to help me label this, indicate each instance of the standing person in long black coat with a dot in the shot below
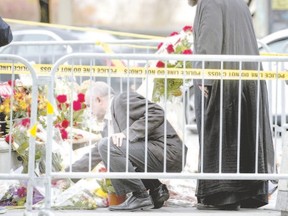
(225, 27)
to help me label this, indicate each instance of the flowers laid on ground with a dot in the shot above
(176, 43)
(106, 184)
(16, 193)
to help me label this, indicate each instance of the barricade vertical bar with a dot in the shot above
(127, 119)
(221, 119)
(31, 166)
(50, 134)
(202, 117)
(257, 121)
(239, 117)
(146, 123)
(165, 120)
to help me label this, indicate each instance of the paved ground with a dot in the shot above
(155, 212)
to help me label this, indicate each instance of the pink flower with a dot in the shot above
(65, 123)
(187, 52)
(187, 28)
(174, 33)
(21, 192)
(8, 138)
(25, 122)
(170, 48)
(77, 105)
(61, 98)
(64, 134)
(81, 97)
(103, 169)
(160, 64)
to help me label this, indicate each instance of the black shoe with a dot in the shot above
(231, 207)
(159, 196)
(133, 203)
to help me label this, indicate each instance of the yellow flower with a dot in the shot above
(23, 105)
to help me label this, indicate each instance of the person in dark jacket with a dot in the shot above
(136, 124)
(224, 27)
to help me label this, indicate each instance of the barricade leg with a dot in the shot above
(282, 198)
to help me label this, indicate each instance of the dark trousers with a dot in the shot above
(135, 163)
(118, 155)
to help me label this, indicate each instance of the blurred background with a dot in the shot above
(153, 17)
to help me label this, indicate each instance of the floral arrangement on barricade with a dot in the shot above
(177, 43)
(20, 111)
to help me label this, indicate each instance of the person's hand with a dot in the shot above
(117, 139)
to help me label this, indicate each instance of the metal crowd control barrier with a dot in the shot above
(58, 82)
(275, 72)
(9, 163)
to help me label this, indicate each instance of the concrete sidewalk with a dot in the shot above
(155, 212)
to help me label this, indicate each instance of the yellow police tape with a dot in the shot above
(112, 71)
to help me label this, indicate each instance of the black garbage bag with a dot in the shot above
(5, 33)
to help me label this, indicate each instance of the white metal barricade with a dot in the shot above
(59, 85)
(64, 83)
(11, 98)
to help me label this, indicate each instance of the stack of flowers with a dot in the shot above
(177, 43)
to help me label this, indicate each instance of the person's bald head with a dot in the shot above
(97, 98)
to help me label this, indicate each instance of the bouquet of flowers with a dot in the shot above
(177, 43)
(68, 112)
(19, 140)
(16, 193)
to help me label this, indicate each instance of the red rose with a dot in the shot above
(77, 105)
(25, 122)
(81, 97)
(174, 33)
(64, 134)
(65, 123)
(187, 52)
(170, 48)
(61, 98)
(160, 64)
(187, 28)
(8, 138)
(10, 83)
(160, 45)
